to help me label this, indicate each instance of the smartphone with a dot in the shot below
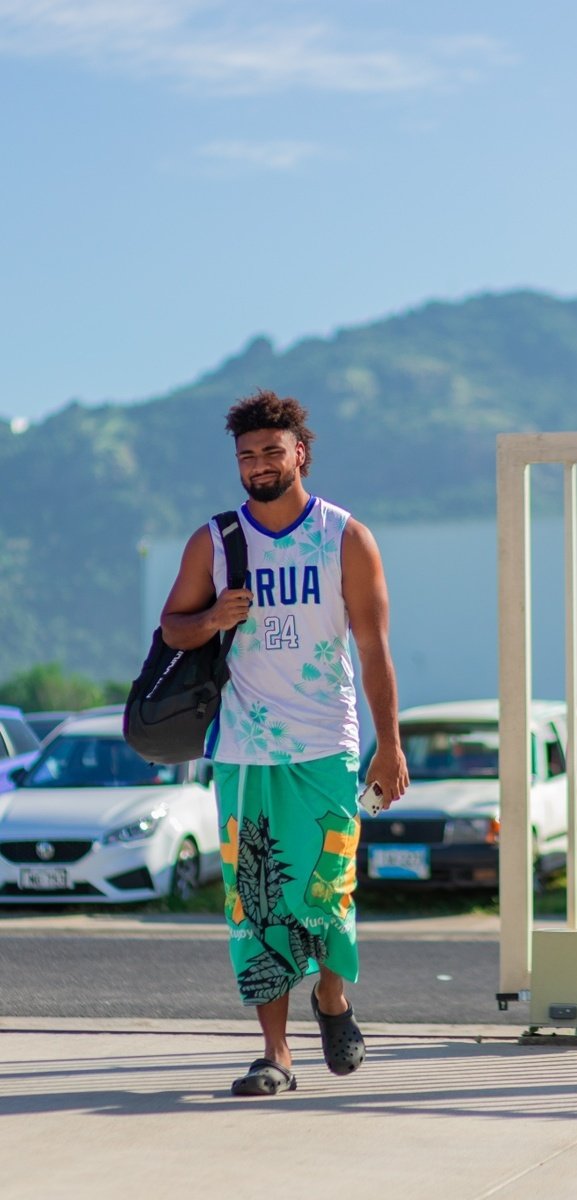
(372, 799)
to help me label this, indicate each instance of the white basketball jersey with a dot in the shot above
(291, 694)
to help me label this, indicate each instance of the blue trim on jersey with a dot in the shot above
(212, 737)
(282, 532)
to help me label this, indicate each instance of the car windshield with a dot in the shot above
(21, 735)
(450, 751)
(87, 761)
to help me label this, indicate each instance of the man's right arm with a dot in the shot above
(192, 615)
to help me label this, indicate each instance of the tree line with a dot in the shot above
(48, 688)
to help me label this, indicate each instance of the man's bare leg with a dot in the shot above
(330, 993)
(273, 1021)
(343, 1045)
(273, 1017)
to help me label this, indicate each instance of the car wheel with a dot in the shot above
(186, 870)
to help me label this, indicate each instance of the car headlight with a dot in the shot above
(471, 829)
(144, 827)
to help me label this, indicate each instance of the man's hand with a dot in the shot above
(231, 608)
(388, 768)
(191, 616)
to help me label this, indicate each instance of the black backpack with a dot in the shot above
(177, 694)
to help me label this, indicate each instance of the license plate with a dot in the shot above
(399, 862)
(44, 879)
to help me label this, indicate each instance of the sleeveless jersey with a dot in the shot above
(290, 696)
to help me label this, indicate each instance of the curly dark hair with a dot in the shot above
(266, 410)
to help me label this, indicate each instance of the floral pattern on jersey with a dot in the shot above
(322, 679)
(282, 551)
(258, 731)
(246, 640)
(316, 552)
(338, 517)
(325, 651)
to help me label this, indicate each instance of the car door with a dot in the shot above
(200, 777)
(554, 782)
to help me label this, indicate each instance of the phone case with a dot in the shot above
(372, 799)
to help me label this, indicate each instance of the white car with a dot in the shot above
(90, 821)
(444, 832)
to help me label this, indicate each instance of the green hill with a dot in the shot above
(406, 411)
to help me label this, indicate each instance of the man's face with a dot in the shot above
(269, 462)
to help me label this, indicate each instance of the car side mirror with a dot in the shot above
(18, 775)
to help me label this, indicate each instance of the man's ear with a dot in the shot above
(301, 453)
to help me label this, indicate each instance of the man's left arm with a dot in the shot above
(366, 598)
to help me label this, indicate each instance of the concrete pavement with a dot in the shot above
(116, 1109)
(122, 1109)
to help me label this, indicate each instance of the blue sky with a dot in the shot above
(179, 176)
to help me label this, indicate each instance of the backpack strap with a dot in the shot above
(234, 543)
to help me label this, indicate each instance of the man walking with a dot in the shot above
(285, 745)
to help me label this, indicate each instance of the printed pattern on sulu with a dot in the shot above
(289, 836)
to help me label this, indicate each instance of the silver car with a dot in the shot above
(19, 744)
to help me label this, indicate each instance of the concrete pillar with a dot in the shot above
(515, 454)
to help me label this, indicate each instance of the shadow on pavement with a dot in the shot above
(428, 1076)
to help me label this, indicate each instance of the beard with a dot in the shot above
(265, 492)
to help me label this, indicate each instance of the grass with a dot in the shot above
(372, 903)
(552, 901)
(548, 901)
(209, 900)
(389, 903)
